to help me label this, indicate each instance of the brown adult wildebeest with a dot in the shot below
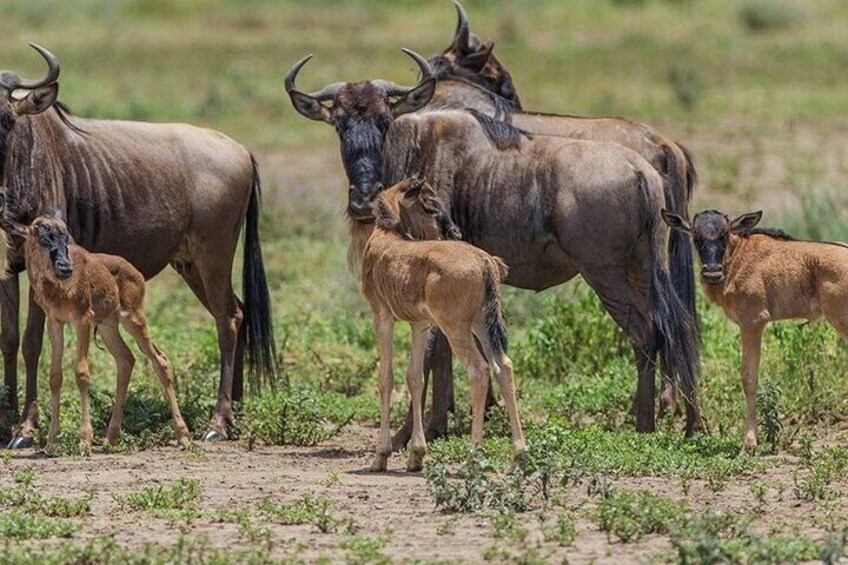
(408, 275)
(760, 275)
(470, 76)
(91, 290)
(551, 208)
(155, 194)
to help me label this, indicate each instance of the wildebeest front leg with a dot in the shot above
(751, 342)
(9, 343)
(33, 341)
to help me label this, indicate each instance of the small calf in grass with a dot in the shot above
(760, 275)
(90, 290)
(408, 276)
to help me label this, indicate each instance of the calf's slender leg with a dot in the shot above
(83, 374)
(466, 350)
(57, 348)
(384, 327)
(415, 383)
(124, 360)
(752, 337)
(136, 325)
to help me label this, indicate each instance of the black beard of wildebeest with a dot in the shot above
(470, 76)
(155, 194)
(551, 208)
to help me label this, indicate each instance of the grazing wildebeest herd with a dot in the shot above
(454, 188)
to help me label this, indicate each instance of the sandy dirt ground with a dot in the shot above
(395, 505)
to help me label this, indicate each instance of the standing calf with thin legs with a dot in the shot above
(90, 290)
(446, 284)
(760, 275)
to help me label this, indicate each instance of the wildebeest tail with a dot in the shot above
(492, 314)
(259, 342)
(680, 258)
(675, 329)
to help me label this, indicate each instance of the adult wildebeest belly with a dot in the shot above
(552, 210)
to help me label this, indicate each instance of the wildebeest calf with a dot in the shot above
(447, 284)
(760, 275)
(90, 290)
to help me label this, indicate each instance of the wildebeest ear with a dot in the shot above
(310, 107)
(38, 100)
(415, 99)
(675, 221)
(385, 218)
(746, 222)
(475, 62)
(449, 229)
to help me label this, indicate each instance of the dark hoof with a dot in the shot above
(212, 435)
(20, 443)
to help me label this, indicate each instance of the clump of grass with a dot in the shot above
(768, 15)
(25, 498)
(23, 525)
(768, 407)
(291, 416)
(629, 516)
(686, 83)
(307, 509)
(158, 500)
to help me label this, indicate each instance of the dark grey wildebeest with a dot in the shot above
(551, 208)
(155, 194)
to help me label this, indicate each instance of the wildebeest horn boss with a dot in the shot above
(155, 194)
(550, 207)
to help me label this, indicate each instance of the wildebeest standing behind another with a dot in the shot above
(155, 194)
(550, 208)
(471, 76)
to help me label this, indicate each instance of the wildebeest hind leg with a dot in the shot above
(214, 289)
(624, 303)
(9, 344)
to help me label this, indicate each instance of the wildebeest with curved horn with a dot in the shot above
(155, 194)
(551, 208)
(469, 75)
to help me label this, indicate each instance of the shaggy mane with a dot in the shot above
(503, 135)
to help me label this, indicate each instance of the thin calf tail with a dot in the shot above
(492, 314)
(675, 329)
(259, 338)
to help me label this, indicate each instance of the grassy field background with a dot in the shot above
(756, 88)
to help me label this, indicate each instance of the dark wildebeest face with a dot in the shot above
(362, 113)
(413, 209)
(470, 58)
(20, 96)
(710, 231)
(52, 234)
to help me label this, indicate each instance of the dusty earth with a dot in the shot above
(395, 506)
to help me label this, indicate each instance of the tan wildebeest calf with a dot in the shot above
(446, 284)
(90, 290)
(760, 275)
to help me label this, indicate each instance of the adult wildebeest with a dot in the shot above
(549, 207)
(469, 75)
(155, 194)
(759, 275)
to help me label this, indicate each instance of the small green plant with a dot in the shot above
(365, 550)
(759, 489)
(768, 407)
(306, 509)
(22, 525)
(182, 493)
(630, 516)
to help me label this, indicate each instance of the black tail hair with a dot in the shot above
(675, 330)
(680, 257)
(259, 338)
(492, 314)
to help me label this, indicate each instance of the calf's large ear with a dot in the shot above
(38, 100)
(675, 221)
(746, 222)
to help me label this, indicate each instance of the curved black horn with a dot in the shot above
(292, 74)
(393, 89)
(462, 34)
(52, 70)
